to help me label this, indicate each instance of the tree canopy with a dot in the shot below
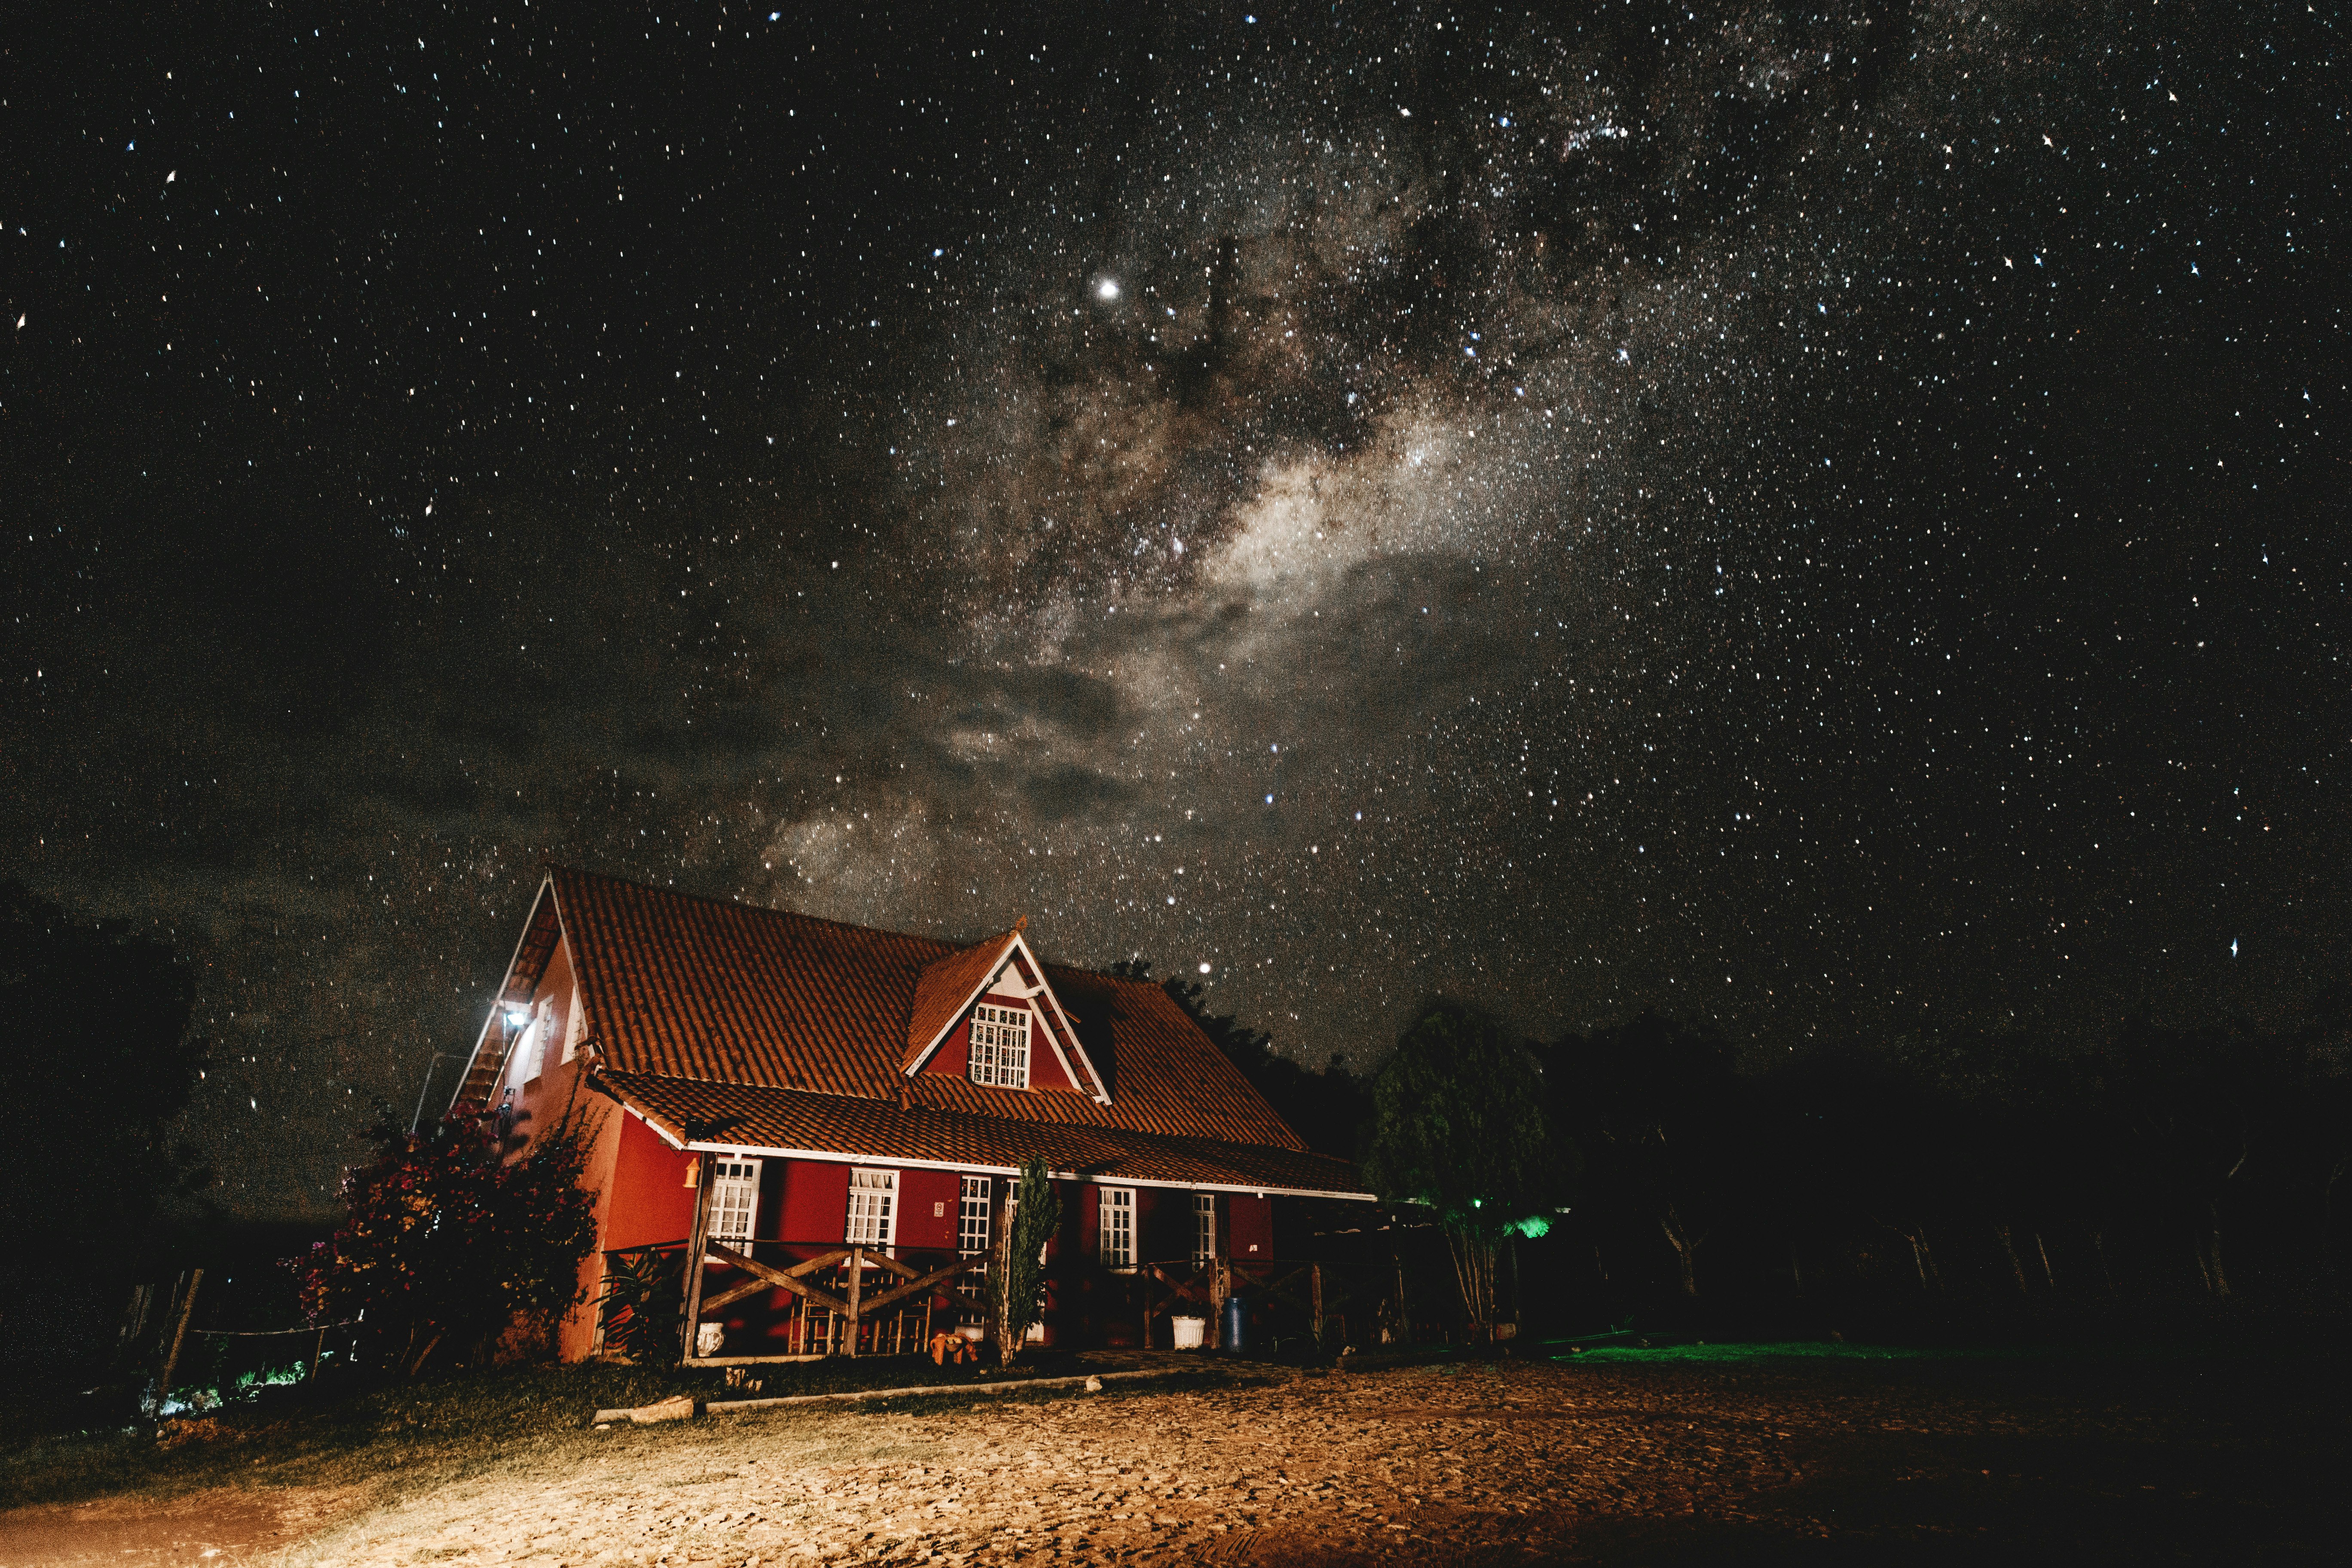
(1459, 1125)
(95, 1022)
(447, 1244)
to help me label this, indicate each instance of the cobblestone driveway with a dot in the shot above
(1514, 1463)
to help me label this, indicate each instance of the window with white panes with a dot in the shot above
(734, 1198)
(1115, 1242)
(873, 1220)
(1204, 1229)
(972, 1215)
(1000, 1045)
(973, 1241)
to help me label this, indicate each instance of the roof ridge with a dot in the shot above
(737, 903)
(953, 944)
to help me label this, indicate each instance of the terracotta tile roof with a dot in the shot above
(942, 989)
(678, 987)
(785, 1121)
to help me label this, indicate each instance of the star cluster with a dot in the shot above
(1819, 520)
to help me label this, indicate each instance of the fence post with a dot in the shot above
(856, 1290)
(1315, 1298)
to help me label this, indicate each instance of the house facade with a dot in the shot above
(830, 1119)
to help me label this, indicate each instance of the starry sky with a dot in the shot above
(1826, 521)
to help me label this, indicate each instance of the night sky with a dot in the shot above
(1826, 521)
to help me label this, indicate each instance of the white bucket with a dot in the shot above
(1188, 1331)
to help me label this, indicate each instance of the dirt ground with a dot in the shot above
(1851, 1462)
(202, 1528)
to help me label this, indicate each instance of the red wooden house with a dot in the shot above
(772, 1090)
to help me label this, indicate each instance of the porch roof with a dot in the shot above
(754, 1119)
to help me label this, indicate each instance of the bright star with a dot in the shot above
(1107, 290)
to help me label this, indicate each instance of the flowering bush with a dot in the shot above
(448, 1244)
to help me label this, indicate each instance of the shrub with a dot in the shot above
(448, 1245)
(643, 1308)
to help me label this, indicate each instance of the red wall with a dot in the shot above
(1163, 1226)
(817, 1201)
(1249, 1227)
(954, 1056)
(649, 1201)
(922, 1192)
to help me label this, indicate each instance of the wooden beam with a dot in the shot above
(929, 1282)
(787, 1278)
(733, 1294)
(1280, 1289)
(698, 1247)
(883, 1260)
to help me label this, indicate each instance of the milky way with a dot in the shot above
(1825, 521)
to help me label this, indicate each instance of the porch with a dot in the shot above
(765, 1301)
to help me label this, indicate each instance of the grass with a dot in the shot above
(404, 1437)
(1780, 1350)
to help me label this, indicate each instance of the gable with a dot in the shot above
(953, 1056)
(999, 972)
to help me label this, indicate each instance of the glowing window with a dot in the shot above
(1000, 1045)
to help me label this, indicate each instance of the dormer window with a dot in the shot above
(1000, 1045)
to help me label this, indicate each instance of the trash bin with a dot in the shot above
(1188, 1331)
(1236, 1326)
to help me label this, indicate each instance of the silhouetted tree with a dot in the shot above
(447, 1243)
(1458, 1126)
(94, 1024)
(1655, 1109)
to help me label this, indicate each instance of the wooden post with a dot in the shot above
(171, 1358)
(316, 1351)
(1315, 1298)
(999, 1252)
(1403, 1315)
(697, 1247)
(856, 1290)
(1221, 1285)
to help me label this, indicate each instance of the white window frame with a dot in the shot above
(973, 1210)
(862, 1226)
(573, 1027)
(733, 1178)
(1204, 1229)
(1115, 1229)
(1000, 1045)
